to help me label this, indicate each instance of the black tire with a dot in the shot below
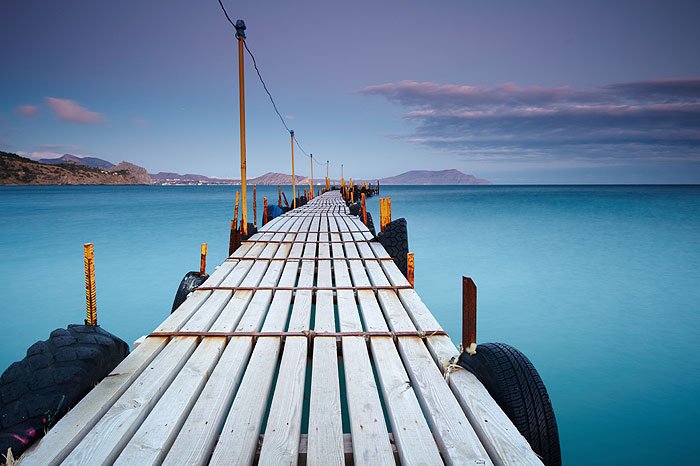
(56, 373)
(394, 238)
(514, 383)
(188, 284)
(370, 224)
(355, 208)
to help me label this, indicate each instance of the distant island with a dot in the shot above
(73, 170)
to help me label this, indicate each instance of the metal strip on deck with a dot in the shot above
(307, 345)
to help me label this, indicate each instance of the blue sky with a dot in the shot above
(516, 92)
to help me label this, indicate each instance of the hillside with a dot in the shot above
(16, 170)
(273, 178)
(433, 177)
(92, 162)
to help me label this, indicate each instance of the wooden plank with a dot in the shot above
(325, 437)
(155, 436)
(414, 440)
(198, 436)
(497, 433)
(64, 437)
(452, 430)
(239, 436)
(370, 440)
(284, 421)
(108, 437)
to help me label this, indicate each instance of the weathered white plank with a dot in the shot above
(369, 431)
(198, 436)
(111, 433)
(66, 435)
(325, 419)
(414, 439)
(281, 442)
(454, 434)
(238, 440)
(155, 436)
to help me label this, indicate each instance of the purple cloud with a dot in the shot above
(69, 110)
(28, 110)
(659, 118)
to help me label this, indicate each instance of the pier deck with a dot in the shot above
(307, 345)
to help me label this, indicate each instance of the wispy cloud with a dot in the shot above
(28, 110)
(657, 119)
(69, 110)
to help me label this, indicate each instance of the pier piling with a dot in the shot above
(90, 294)
(468, 315)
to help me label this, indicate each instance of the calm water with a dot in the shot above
(599, 286)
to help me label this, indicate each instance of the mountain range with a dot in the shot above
(72, 169)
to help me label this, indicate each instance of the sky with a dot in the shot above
(515, 92)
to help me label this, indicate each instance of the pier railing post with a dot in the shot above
(311, 181)
(468, 315)
(279, 196)
(265, 218)
(384, 212)
(203, 260)
(240, 35)
(234, 235)
(255, 206)
(410, 269)
(364, 209)
(90, 293)
(294, 181)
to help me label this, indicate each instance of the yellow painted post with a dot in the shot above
(411, 269)
(90, 295)
(240, 35)
(294, 181)
(328, 180)
(364, 209)
(255, 206)
(384, 212)
(203, 260)
(264, 211)
(311, 181)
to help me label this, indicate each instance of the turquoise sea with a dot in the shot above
(598, 285)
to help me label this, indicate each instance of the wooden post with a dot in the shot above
(328, 180)
(255, 206)
(90, 293)
(240, 35)
(203, 260)
(384, 212)
(411, 269)
(233, 237)
(279, 196)
(311, 181)
(265, 218)
(468, 315)
(294, 181)
(364, 209)
(284, 197)
(377, 187)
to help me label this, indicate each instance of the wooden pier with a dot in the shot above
(306, 346)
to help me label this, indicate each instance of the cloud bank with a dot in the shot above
(69, 110)
(651, 120)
